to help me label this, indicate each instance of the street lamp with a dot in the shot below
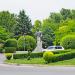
(24, 41)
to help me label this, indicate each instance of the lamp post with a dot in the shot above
(24, 41)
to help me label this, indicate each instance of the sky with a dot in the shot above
(36, 9)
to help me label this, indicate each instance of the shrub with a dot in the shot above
(33, 55)
(19, 56)
(68, 42)
(10, 49)
(2, 41)
(61, 51)
(11, 43)
(1, 46)
(47, 55)
(8, 55)
(26, 42)
(37, 55)
(1, 50)
(64, 56)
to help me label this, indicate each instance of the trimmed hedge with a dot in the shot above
(11, 43)
(61, 51)
(10, 49)
(22, 56)
(36, 55)
(64, 56)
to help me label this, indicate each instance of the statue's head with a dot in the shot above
(39, 34)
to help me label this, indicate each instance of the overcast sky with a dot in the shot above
(36, 9)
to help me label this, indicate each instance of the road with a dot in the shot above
(35, 70)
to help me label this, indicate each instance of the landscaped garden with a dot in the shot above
(47, 57)
(66, 57)
(18, 34)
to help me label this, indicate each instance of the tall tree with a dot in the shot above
(73, 14)
(66, 27)
(49, 23)
(48, 33)
(56, 17)
(47, 36)
(24, 24)
(37, 26)
(7, 21)
(66, 13)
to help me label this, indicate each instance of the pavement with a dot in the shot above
(2, 58)
(6, 69)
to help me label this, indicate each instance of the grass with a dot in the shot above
(25, 61)
(41, 61)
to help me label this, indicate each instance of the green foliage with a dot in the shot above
(61, 51)
(4, 34)
(68, 42)
(26, 43)
(2, 41)
(11, 43)
(33, 55)
(47, 55)
(49, 23)
(1, 50)
(23, 24)
(10, 49)
(66, 27)
(63, 56)
(1, 46)
(7, 21)
(73, 14)
(56, 17)
(8, 55)
(62, 31)
(66, 13)
(37, 26)
(47, 37)
(70, 23)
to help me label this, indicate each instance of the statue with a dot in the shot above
(39, 42)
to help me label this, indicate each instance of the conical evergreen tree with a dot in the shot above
(23, 24)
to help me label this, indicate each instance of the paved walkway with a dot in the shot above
(2, 58)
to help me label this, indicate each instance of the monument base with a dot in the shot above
(37, 50)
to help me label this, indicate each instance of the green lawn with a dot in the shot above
(41, 61)
(25, 61)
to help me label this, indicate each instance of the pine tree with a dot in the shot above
(24, 24)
